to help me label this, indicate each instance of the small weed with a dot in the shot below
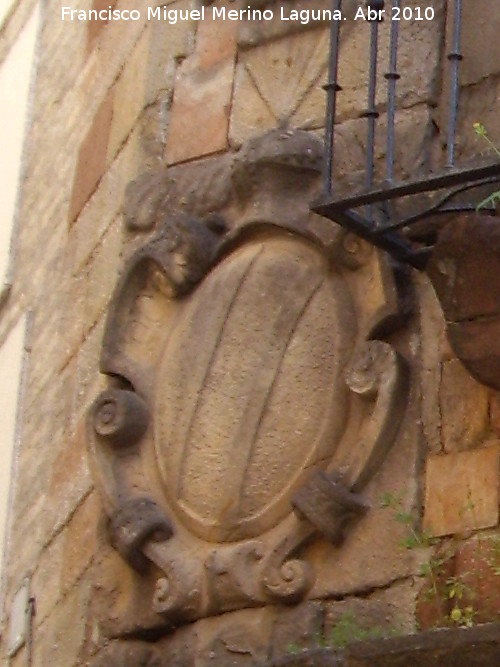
(414, 539)
(493, 199)
(347, 630)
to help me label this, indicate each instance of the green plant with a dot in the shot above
(415, 538)
(431, 569)
(347, 630)
(453, 596)
(494, 198)
(459, 614)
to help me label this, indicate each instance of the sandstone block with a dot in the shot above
(94, 28)
(297, 628)
(250, 115)
(215, 41)
(91, 162)
(240, 638)
(481, 56)
(45, 585)
(103, 208)
(464, 408)
(100, 275)
(199, 118)
(462, 491)
(80, 541)
(59, 640)
(253, 33)
(383, 613)
(283, 72)
(495, 413)
(417, 83)
(148, 74)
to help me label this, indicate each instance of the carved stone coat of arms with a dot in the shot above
(252, 392)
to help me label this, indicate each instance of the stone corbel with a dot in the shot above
(464, 270)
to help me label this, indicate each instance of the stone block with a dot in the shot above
(477, 103)
(381, 614)
(215, 41)
(477, 577)
(413, 128)
(461, 491)
(72, 319)
(70, 481)
(94, 28)
(59, 640)
(103, 208)
(88, 381)
(464, 408)
(121, 654)
(253, 33)
(433, 603)
(284, 71)
(297, 628)
(92, 157)
(45, 584)
(80, 543)
(199, 118)
(148, 74)
(241, 638)
(179, 649)
(19, 659)
(417, 84)
(129, 94)
(101, 274)
(495, 413)
(432, 326)
(250, 115)
(481, 56)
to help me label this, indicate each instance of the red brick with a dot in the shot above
(199, 119)
(215, 42)
(91, 162)
(94, 28)
(433, 604)
(478, 572)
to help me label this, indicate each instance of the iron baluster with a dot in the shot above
(371, 112)
(454, 57)
(392, 76)
(332, 87)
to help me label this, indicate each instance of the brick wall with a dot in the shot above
(112, 101)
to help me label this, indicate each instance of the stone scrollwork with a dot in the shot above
(249, 402)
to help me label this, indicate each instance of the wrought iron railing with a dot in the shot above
(371, 209)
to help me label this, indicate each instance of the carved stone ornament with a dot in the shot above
(250, 398)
